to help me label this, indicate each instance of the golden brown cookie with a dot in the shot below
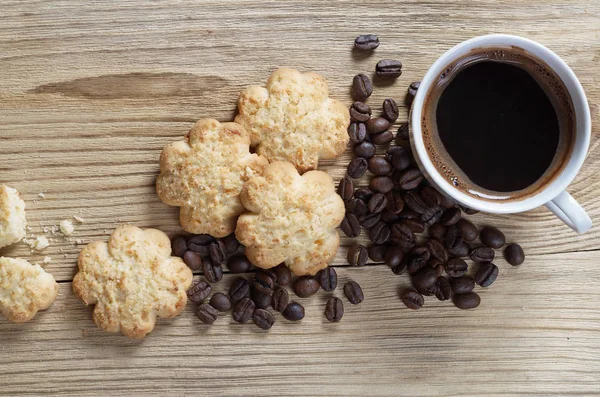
(12, 216)
(293, 119)
(24, 289)
(204, 175)
(293, 219)
(132, 280)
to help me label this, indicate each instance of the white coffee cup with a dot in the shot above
(554, 195)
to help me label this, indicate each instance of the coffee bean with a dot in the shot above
(437, 265)
(408, 213)
(422, 251)
(369, 220)
(482, 254)
(393, 256)
(377, 252)
(389, 152)
(403, 133)
(381, 184)
(220, 301)
(179, 246)
(400, 268)
(467, 229)
(334, 309)
(200, 239)
(193, 260)
(443, 290)
(390, 110)
(409, 179)
(350, 225)
(271, 273)
(263, 318)
(462, 284)
(486, 274)
(437, 231)
(199, 291)
(456, 267)
(206, 313)
(413, 300)
(357, 255)
(327, 279)
(293, 312)
(280, 299)
(514, 255)
(453, 237)
(357, 132)
(364, 149)
(243, 310)
(353, 292)
(362, 88)
(415, 263)
(394, 202)
(437, 250)
(414, 201)
(377, 203)
(415, 225)
(470, 300)
(492, 237)
(380, 233)
(217, 251)
(460, 251)
(428, 291)
(197, 248)
(467, 210)
(213, 272)
(383, 138)
(238, 264)
(447, 202)
(388, 217)
(451, 217)
(366, 42)
(360, 112)
(263, 284)
(432, 215)
(231, 244)
(377, 125)
(346, 188)
(357, 167)
(379, 166)
(403, 236)
(239, 289)
(412, 92)
(401, 159)
(430, 197)
(424, 277)
(363, 193)
(306, 286)
(388, 69)
(357, 207)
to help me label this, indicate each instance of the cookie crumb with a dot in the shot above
(37, 244)
(79, 241)
(47, 259)
(78, 218)
(66, 227)
(42, 195)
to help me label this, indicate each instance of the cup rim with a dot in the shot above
(582, 117)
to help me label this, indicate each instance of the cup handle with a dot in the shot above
(570, 212)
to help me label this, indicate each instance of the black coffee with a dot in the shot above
(499, 124)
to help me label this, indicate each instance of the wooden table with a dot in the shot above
(90, 92)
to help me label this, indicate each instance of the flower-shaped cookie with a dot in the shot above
(293, 219)
(24, 289)
(132, 280)
(204, 175)
(12, 216)
(294, 119)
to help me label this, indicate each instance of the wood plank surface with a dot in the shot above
(90, 92)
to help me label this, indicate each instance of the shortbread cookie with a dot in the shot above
(24, 289)
(293, 119)
(132, 279)
(204, 175)
(12, 216)
(293, 219)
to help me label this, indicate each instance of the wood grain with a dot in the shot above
(90, 92)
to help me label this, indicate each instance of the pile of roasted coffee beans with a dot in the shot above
(250, 298)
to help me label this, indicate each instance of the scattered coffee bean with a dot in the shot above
(444, 290)
(467, 229)
(451, 217)
(390, 110)
(428, 291)
(357, 132)
(380, 233)
(238, 264)
(412, 92)
(197, 248)
(293, 312)
(377, 125)
(213, 272)
(388, 217)
(422, 251)
(482, 254)
(415, 225)
(460, 251)
(353, 292)
(492, 237)
(467, 210)
(357, 255)
(360, 112)
(239, 289)
(447, 202)
(514, 255)
(414, 201)
(470, 300)
(437, 250)
(364, 149)
(357, 167)
(393, 256)
(413, 300)
(369, 220)
(263, 318)
(306, 286)
(462, 284)
(400, 268)
(220, 301)
(381, 184)
(453, 237)
(334, 309)
(437, 265)
(409, 179)
(350, 225)
(432, 215)
(415, 263)
(193, 260)
(389, 152)
(403, 132)
(327, 279)
(377, 203)
(395, 203)
(486, 274)
(366, 42)
(200, 239)
(437, 231)
(403, 236)
(363, 193)
(199, 291)
(388, 69)
(217, 251)
(356, 207)
(401, 159)
(280, 299)
(408, 213)
(383, 138)
(346, 188)
(179, 246)
(243, 310)
(424, 277)
(379, 166)
(377, 252)
(206, 313)
(271, 273)
(232, 244)
(362, 88)
(456, 267)
(263, 284)
(430, 197)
